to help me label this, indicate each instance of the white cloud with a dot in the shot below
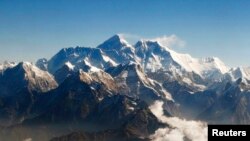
(28, 139)
(167, 134)
(193, 130)
(170, 41)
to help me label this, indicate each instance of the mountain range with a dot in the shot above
(104, 92)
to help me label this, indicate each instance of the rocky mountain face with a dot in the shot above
(103, 93)
(20, 87)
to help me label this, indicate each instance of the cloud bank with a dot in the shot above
(179, 128)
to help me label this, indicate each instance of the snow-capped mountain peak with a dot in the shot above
(215, 63)
(79, 57)
(116, 42)
(239, 72)
(207, 68)
(32, 72)
(27, 74)
(118, 49)
(42, 64)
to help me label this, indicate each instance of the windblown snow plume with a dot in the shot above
(170, 41)
(180, 129)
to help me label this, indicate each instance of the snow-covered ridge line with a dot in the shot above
(151, 55)
(164, 57)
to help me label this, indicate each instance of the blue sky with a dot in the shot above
(31, 29)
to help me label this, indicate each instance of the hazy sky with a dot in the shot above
(31, 29)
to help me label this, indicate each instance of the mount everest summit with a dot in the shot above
(108, 90)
